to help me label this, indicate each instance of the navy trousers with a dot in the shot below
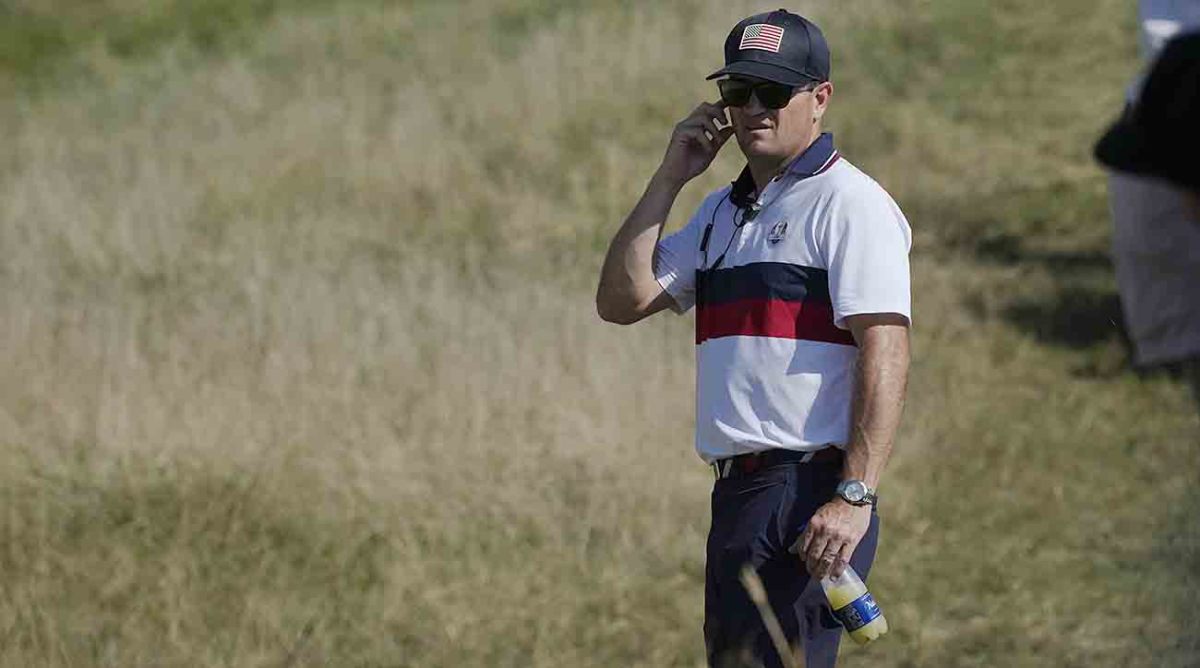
(755, 519)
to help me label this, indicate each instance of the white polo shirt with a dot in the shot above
(774, 358)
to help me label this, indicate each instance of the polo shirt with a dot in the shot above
(773, 280)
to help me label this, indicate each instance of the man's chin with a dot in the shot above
(759, 147)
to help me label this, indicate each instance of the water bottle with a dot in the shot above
(853, 606)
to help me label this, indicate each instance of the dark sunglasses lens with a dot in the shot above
(774, 96)
(734, 93)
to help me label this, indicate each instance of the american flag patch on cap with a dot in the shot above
(762, 36)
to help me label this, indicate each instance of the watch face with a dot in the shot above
(854, 491)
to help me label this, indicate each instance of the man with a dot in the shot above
(799, 274)
(1155, 193)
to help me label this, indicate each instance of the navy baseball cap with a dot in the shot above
(777, 46)
(1160, 134)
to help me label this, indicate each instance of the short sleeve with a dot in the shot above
(676, 255)
(865, 245)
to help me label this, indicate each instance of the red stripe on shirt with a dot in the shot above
(801, 320)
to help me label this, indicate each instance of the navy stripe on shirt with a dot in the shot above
(762, 280)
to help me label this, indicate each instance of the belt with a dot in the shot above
(750, 462)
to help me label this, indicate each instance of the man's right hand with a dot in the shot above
(628, 290)
(694, 143)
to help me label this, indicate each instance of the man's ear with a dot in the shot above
(821, 94)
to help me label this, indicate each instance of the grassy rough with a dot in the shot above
(301, 365)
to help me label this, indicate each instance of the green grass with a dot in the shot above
(37, 37)
(301, 366)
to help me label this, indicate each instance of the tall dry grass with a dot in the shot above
(300, 365)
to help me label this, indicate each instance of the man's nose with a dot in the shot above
(753, 106)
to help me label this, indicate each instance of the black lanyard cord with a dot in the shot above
(737, 227)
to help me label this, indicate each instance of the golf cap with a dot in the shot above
(1160, 134)
(777, 46)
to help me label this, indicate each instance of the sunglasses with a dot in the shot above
(736, 92)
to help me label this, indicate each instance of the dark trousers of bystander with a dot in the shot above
(756, 518)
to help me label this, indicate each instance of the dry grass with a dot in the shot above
(300, 365)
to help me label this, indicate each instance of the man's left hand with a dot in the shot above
(831, 536)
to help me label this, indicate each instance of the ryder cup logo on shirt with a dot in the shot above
(762, 36)
(777, 232)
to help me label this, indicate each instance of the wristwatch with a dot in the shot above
(856, 493)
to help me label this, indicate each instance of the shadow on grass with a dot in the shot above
(1074, 316)
(1080, 311)
(1008, 249)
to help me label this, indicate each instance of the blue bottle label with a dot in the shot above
(861, 611)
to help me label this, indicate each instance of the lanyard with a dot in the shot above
(748, 213)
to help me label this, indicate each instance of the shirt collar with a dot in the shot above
(816, 156)
(815, 159)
